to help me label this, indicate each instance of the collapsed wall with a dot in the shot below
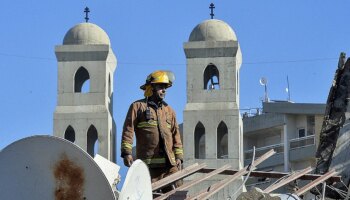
(333, 151)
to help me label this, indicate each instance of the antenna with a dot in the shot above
(287, 89)
(263, 82)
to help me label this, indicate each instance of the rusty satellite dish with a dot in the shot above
(47, 167)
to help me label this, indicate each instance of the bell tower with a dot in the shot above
(212, 128)
(84, 111)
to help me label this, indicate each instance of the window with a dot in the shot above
(69, 134)
(211, 77)
(199, 137)
(82, 81)
(222, 141)
(301, 132)
(92, 141)
(310, 120)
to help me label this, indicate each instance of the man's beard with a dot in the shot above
(160, 97)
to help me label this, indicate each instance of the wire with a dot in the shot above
(182, 64)
(291, 61)
(340, 192)
(250, 168)
(27, 57)
(317, 190)
(284, 177)
(342, 182)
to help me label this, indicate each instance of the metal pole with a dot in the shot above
(288, 89)
(323, 189)
(285, 148)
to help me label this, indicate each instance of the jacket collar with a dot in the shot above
(153, 104)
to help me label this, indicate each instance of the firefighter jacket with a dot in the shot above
(157, 133)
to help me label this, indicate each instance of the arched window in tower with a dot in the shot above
(199, 140)
(82, 81)
(92, 141)
(211, 77)
(69, 134)
(222, 141)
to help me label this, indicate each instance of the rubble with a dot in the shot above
(257, 194)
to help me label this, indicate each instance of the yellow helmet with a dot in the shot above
(158, 77)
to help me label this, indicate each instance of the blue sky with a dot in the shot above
(299, 39)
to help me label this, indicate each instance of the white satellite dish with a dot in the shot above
(137, 185)
(110, 170)
(47, 167)
(288, 197)
(263, 81)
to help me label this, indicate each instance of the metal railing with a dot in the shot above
(250, 112)
(279, 148)
(302, 142)
(248, 154)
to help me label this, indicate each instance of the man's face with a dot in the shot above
(159, 91)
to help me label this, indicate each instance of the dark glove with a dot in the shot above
(128, 160)
(178, 164)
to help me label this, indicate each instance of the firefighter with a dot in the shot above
(153, 121)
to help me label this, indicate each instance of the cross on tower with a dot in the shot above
(211, 7)
(86, 11)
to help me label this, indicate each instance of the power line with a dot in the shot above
(182, 64)
(290, 61)
(26, 57)
(142, 63)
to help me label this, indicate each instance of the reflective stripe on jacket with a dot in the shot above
(157, 138)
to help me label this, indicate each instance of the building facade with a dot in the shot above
(291, 129)
(212, 128)
(83, 115)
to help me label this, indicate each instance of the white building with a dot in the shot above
(291, 129)
(84, 110)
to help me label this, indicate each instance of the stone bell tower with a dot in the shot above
(212, 128)
(84, 110)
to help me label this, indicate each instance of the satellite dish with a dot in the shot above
(288, 197)
(137, 185)
(47, 167)
(110, 170)
(263, 81)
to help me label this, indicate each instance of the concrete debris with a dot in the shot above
(256, 194)
(333, 149)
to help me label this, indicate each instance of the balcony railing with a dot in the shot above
(302, 142)
(260, 151)
(279, 148)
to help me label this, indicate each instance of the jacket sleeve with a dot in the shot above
(128, 131)
(177, 145)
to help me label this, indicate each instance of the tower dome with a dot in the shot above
(212, 30)
(86, 33)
